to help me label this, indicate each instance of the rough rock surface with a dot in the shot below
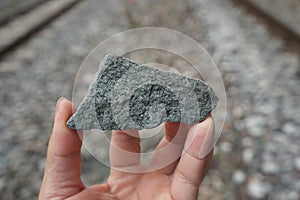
(129, 95)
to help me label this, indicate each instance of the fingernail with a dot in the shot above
(58, 103)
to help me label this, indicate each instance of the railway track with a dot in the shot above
(11, 9)
(22, 27)
(278, 24)
(40, 13)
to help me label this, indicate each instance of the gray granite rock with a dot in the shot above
(130, 95)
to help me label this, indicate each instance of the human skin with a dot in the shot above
(180, 180)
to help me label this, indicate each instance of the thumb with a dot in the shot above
(63, 165)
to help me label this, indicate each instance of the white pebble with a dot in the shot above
(297, 163)
(237, 112)
(248, 155)
(226, 147)
(255, 125)
(239, 177)
(293, 195)
(247, 142)
(267, 108)
(258, 189)
(42, 164)
(290, 129)
(270, 167)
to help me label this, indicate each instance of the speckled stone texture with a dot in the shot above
(130, 95)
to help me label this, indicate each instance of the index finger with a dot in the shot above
(124, 149)
(192, 167)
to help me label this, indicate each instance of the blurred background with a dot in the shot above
(255, 44)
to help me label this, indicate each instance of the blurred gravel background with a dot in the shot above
(258, 154)
(9, 9)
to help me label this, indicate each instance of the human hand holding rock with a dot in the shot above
(179, 180)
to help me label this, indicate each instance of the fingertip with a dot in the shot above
(64, 140)
(176, 132)
(124, 148)
(209, 139)
(63, 108)
(206, 126)
(58, 103)
(200, 138)
(171, 128)
(203, 128)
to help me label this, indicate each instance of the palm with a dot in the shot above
(178, 179)
(153, 185)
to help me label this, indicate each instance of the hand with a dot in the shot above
(179, 180)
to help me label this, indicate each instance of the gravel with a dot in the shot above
(263, 95)
(239, 177)
(260, 73)
(258, 189)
